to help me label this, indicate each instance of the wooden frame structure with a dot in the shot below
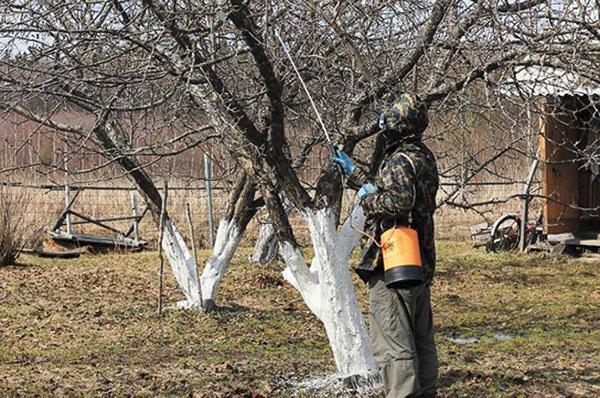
(121, 240)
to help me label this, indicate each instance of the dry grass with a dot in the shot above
(46, 206)
(88, 327)
(15, 232)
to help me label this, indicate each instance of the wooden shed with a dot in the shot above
(569, 152)
(570, 155)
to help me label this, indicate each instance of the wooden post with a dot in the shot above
(526, 199)
(134, 213)
(207, 184)
(191, 227)
(161, 227)
(65, 212)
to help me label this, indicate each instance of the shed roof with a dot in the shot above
(551, 81)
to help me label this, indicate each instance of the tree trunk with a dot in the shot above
(179, 256)
(227, 241)
(326, 287)
(241, 208)
(266, 247)
(182, 264)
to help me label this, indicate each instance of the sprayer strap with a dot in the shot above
(414, 187)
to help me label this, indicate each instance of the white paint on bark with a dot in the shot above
(326, 287)
(267, 245)
(265, 249)
(227, 241)
(179, 256)
(183, 265)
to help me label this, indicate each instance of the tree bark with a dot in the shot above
(240, 209)
(179, 256)
(267, 246)
(326, 287)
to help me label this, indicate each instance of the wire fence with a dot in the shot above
(61, 187)
(100, 201)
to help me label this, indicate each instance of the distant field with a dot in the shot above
(89, 327)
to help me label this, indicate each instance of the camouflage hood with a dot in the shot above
(406, 119)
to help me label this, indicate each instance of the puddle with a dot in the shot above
(462, 340)
(503, 337)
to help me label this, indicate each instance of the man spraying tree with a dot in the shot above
(398, 256)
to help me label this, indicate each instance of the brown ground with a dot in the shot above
(88, 327)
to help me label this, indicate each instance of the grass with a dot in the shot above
(88, 327)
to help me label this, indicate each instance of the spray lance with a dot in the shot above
(379, 126)
(400, 244)
(312, 103)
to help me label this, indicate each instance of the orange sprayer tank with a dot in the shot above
(401, 257)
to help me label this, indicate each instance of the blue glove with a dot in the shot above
(344, 161)
(366, 189)
(381, 122)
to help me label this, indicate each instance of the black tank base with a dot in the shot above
(403, 276)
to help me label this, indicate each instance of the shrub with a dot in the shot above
(14, 232)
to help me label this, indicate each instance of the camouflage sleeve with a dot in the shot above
(368, 128)
(357, 179)
(396, 191)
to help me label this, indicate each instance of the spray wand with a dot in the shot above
(332, 146)
(312, 103)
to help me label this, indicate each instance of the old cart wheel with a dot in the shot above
(506, 233)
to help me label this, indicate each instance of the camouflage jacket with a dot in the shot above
(405, 196)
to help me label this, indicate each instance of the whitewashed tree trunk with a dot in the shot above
(326, 287)
(226, 243)
(178, 255)
(182, 264)
(265, 249)
(267, 245)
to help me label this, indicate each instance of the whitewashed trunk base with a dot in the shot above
(327, 289)
(226, 243)
(182, 264)
(265, 249)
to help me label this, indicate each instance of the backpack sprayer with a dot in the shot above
(399, 245)
(401, 257)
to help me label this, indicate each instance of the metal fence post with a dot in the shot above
(134, 211)
(67, 194)
(208, 187)
(67, 204)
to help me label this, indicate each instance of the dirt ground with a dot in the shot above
(508, 325)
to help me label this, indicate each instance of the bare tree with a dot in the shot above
(208, 69)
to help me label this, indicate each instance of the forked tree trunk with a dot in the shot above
(227, 241)
(326, 287)
(182, 264)
(179, 256)
(241, 208)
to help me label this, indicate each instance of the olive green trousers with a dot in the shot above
(401, 331)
